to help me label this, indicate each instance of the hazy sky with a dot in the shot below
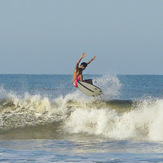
(49, 36)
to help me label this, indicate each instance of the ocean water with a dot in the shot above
(43, 118)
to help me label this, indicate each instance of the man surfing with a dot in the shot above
(79, 69)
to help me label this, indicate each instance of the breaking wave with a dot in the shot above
(78, 114)
(113, 119)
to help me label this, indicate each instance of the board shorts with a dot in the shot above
(75, 83)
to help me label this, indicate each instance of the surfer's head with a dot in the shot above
(83, 65)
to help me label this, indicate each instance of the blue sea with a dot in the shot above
(43, 118)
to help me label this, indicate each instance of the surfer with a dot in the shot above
(79, 69)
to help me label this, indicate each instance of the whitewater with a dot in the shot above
(46, 113)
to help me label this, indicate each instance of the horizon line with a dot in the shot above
(70, 74)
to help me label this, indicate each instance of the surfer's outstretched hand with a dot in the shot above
(94, 58)
(83, 55)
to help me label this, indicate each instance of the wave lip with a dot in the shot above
(29, 110)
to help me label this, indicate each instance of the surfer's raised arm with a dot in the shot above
(77, 64)
(91, 60)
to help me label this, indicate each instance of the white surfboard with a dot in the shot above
(89, 89)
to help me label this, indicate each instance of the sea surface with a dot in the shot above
(43, 118)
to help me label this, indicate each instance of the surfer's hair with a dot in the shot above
(84, 64)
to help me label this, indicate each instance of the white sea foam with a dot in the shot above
(110, 85)
(144, 122)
